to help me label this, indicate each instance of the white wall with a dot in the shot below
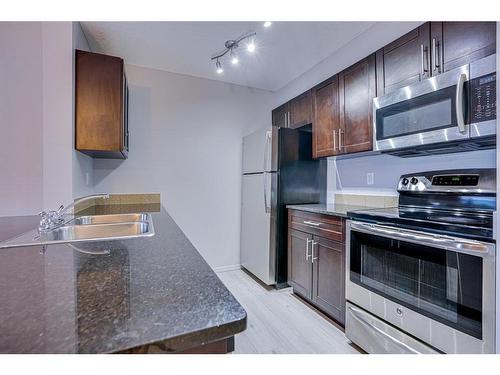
(83, 165)
(185, 143)
(39, 168)
(366, 43)
(349, 175)
(21, 152)
(57, 52)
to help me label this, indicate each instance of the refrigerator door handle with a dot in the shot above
(267, 207)
(266, 151)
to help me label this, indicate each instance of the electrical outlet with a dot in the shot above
(87, 178)
(369, 178)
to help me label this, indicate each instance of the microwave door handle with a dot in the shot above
(459, 102)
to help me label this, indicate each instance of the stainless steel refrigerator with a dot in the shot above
(278, 170)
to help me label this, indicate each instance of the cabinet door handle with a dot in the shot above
(334, 140)
(423, 51)
(435, 46)
(313, 223)
(307, 248)
(312, 251)
(340, 139)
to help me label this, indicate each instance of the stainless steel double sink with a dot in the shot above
(89, 228)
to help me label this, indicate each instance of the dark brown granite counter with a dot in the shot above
(328, 209)
(156, 290)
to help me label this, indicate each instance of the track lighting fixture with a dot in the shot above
(251, 46)
(231, 46)
(218, 67)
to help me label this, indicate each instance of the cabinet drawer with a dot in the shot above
(321, 225)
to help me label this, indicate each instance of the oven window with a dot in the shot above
(443, 285)
(428, 112)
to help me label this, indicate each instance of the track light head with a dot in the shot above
(218, 67)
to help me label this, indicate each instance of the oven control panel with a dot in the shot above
(479, 180)
(456, 180)
(483, 98)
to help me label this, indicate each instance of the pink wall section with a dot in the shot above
(21, 151)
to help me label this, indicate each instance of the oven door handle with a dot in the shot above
(356, 315)
(459, 102)
(459, 245)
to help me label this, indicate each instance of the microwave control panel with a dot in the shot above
(483, 98)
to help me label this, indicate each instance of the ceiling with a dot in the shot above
(284, 51)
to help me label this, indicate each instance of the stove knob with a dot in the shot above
(414, 181)
(405, 181)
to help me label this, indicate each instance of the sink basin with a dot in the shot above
(107, 219)
(89, 228)
(72, 233)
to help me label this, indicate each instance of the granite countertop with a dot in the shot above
(328, 209)
(156, 290)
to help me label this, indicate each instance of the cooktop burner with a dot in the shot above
(452, 222)
(455, 202)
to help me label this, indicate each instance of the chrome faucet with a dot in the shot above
(52, 219)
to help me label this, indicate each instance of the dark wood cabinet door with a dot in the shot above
(301, 110)
(281, 115)
(326, 122)
(328, 277)
(299, 263)
(100, 109)
(404, 61)
(454, 44)
(357, 87)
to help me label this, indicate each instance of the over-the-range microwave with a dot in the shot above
(454, 111)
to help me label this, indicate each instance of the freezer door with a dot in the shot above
(256, 254)
(260, 151)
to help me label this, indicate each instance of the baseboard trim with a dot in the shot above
(233, 267)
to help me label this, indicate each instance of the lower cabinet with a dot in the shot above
(328, 277)
(299, 262)
(316, 264)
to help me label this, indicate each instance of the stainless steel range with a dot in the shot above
(421, 276)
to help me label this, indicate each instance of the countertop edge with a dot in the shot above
(193, 339)
(342, 210)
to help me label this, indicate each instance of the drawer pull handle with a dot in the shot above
(313, 223)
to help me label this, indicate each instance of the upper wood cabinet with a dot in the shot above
(295, 113)
(301, 110)
(343, 111)
(454, 44)
(431, 49)
(281, 115)
(326, 124)
(357, 88)
(341, 108)
(404, 61)
(101, 106)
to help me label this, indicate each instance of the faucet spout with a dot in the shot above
(52, 219)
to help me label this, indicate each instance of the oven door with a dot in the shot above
(431, 111)
(437, 289)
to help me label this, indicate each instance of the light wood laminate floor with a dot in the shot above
(279, 322)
